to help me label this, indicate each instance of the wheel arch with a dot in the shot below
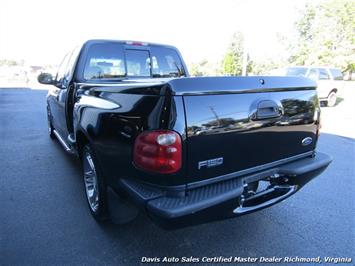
(81, 140)
(333, 90)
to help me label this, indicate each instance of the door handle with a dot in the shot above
(267, 109)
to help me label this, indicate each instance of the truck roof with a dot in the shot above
(127, 42)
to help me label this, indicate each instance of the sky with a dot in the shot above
(42, 32)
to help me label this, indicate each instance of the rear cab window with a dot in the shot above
(113, 60)
(138, 63)
(105, 61)
(166, 63)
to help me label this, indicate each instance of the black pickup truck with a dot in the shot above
(185, 150)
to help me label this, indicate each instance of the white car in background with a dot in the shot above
(330, 80)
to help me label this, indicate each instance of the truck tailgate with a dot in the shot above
(237, 130)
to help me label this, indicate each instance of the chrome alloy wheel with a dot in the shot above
(91, 183)
(332, 99)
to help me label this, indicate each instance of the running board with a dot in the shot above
(62, 142)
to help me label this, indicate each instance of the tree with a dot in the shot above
(233, 59)
(263, 66)
(195, 69)
(325, 35)
(205, 68)
(228, 64)
(9, 62)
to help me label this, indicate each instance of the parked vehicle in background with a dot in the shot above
(329, 80)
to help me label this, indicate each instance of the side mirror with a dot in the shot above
(45, 78)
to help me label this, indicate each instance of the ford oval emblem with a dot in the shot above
(306, 141)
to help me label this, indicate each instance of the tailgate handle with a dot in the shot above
(267, 109)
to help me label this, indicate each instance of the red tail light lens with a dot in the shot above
(158, 151)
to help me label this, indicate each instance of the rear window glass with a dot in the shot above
(113, 61)
(105, 61)
(166, 63)
(336, 73)
(138, 63)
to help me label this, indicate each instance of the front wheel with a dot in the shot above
(50, 127)
(50, 130)
(332, 99)
(95, 188)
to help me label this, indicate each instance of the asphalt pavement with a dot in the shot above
(45, 219)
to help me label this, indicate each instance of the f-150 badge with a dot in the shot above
(210, 163)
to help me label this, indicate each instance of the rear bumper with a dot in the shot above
(225, 199)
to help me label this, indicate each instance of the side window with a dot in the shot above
(62, 69)
(313, 74)
(336, 73)
(71, 63)
(323, 74)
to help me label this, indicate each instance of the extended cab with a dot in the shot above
(184, 150)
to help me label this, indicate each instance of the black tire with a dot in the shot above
(50, 130)
(332, 99)
(98, 201)
(50, 126)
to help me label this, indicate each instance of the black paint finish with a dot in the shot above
(113, 131)
(227, 126)
(243, 123)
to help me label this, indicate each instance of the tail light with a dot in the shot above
(158, 151)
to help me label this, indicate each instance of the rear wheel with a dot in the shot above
(332, 99)
(50, 129)
(95, 188)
